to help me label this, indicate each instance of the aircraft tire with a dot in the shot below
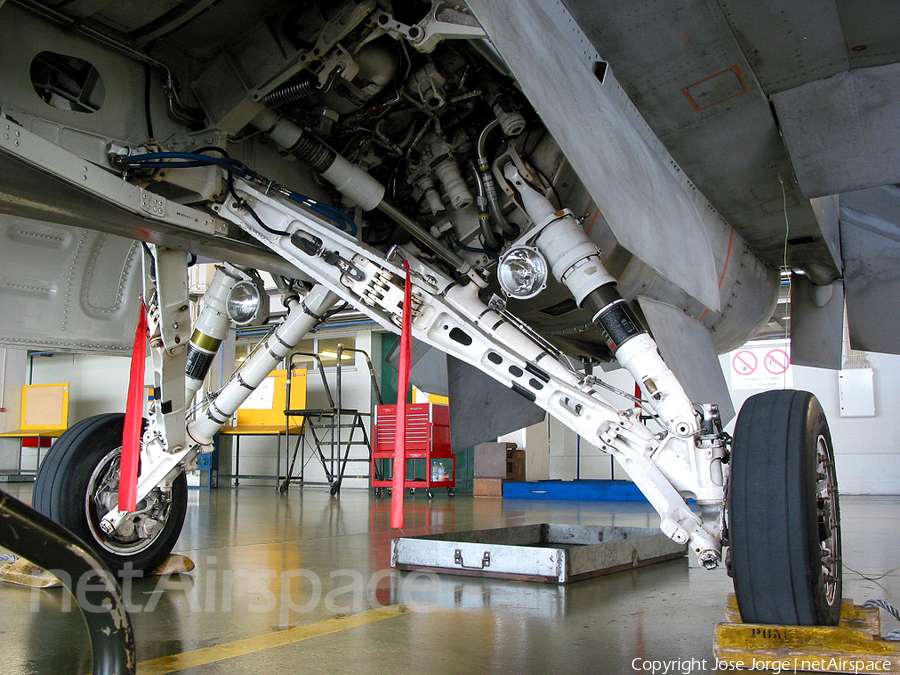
(784, 519)
(69, 482)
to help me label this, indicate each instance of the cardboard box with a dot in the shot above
(515, 466)
(487, 487)
(490, 459)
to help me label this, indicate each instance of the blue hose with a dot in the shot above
(193, 160)
(325, 210)
(471, 249)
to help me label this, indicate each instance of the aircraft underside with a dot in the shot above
(350, 151)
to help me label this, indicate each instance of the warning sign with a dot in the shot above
(744, 362)
(777, 361)
(762, 366)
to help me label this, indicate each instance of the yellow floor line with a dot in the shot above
(230, 650)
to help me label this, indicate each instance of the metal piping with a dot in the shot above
(429, 240)
(484, 170)
(71, 24)
(43, 542)
(372, 374)
(491, 241)
(177, 109)
(354, 183)
(482, 139)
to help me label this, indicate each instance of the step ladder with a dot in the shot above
(329, 434)
(334, 433)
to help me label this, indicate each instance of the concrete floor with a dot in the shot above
(274, 572)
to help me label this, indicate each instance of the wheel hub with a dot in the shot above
(826, 493)
(140, 528)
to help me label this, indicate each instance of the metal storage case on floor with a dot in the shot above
(427, 439)
(542, 552)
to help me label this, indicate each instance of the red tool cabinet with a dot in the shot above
(427, 440)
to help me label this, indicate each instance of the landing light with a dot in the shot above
(522, 272)
(247, 304)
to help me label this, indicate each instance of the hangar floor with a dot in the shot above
(274, 573)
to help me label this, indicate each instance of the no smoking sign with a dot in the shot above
(761, 367)
(744, 362)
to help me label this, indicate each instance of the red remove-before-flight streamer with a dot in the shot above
(402, 386)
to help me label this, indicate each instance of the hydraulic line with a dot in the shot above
(424, 236)
(491, 241)
(354, 183)
(177, 109)
(183, 160)
(484, 169)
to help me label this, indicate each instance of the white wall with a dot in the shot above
(259, 454)
(99, 384)
(867, 449)
(12, 377)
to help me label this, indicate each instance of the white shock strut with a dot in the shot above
(301, 317)
(210, 328)
(575, 262)
(157, 465)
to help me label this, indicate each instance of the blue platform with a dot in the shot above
(575, 490)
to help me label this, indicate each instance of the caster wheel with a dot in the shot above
(412, 491)
(784, 522)
(451, 492)
(430, 494)
(377, 492)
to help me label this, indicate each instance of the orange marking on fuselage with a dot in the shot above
(727, 259)
(593, 220)
(724, 270)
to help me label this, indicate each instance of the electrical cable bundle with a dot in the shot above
(234, 167)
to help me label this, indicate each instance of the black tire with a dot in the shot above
(430, 494)
(784, 517)
(82, 456)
